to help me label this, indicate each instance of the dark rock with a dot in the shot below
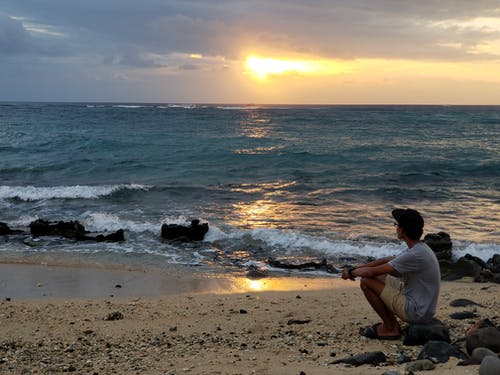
(461, 268)
(403, 358)
(294, 265)
(4, 229)
(493, 264)
(488, 337)
(463, 315)
(114, 316)
(298, 321)
(462, 302)
(118, 286)
(420, 365)
(72, 230)
(369, 358)
(256, 272)
(195, 232)
(440, 243)
(243, 311)
(117, 236)
(68, 229)
(490, 366)
(391, 372)
(483, 323)
(419, 334)
(440, 351)
(7, 299)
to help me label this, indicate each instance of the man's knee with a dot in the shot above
(373, 284)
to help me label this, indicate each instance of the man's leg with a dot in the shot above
(372, 288)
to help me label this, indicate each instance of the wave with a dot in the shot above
(293, 243)
(33, 193)
(128, 106)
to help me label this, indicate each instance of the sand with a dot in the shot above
(204, 325)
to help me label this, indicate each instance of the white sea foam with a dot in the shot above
(127, 106)
(100, 221)
(481, 250)
(183, 106)
(34, 193)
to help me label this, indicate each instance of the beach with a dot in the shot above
(150, 322)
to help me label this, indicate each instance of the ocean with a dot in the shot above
(290, 182)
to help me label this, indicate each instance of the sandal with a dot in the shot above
(371, 333)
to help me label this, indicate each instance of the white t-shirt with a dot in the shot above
(421, 278)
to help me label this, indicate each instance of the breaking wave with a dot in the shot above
(34, 193)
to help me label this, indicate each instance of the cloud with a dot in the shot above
(13, 37)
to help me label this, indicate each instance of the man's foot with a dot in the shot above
(377, 331)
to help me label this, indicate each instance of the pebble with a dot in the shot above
(490, 366)
(420, 365)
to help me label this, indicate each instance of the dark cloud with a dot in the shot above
(96, 38)
(354, 29)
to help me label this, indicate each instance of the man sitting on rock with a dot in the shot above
(413, 300)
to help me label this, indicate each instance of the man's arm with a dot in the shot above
(382, 269)
(377, 267)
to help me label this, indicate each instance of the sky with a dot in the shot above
(251, 52)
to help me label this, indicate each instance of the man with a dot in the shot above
(415, 299)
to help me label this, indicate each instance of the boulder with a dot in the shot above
(493, 264)
(461, 268)
(420, 334)
(440, 243)
(490, 366)
(488, 337)
(175, 232)
(72, 230)
(68, 229)
(440, 351)
(4, 229)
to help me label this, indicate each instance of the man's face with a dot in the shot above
(399, 231)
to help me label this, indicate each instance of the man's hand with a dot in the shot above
(346, 273)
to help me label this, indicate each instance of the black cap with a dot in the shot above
(410, 220)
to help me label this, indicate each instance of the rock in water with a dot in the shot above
(369, 358)
(195, 232)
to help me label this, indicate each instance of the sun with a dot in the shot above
(264, 67)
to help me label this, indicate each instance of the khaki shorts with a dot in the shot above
(393, 297)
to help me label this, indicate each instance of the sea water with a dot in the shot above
(299, 182)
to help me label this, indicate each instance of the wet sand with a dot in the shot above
(62, 319)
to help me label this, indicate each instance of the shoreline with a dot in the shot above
(25, 281)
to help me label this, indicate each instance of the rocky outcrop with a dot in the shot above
(5, 229)
(175, 232)
(440, 243)
(72, 230)
(291, 264)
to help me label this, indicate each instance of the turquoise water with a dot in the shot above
(295, 181)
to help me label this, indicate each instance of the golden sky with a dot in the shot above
(276, 52)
